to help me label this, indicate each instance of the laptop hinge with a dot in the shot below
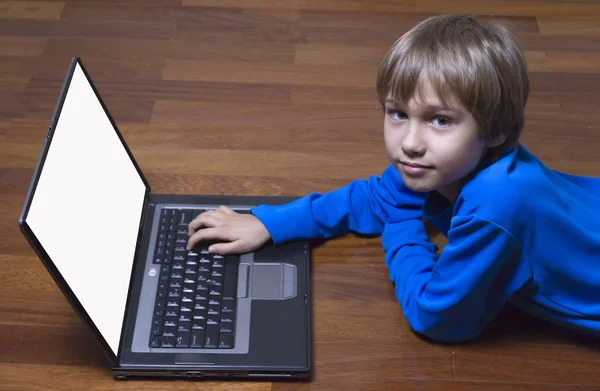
(136, 258)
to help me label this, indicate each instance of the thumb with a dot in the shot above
(235, 247)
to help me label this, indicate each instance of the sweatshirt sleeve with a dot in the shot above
(452, 297)
(362, 206)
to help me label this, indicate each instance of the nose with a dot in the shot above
(412, 143)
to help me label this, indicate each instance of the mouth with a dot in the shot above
(414, 165)
(414, 169)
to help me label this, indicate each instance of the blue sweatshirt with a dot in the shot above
(518, 232)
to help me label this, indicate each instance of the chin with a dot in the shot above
(418, 187)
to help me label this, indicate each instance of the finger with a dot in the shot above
(235, 247)
(203, 220)
(225, 209)
(215, 233)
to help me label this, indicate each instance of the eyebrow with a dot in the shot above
(434, 107)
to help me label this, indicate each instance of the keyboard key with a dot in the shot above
(170, 331)
(218, 263)
(201, 298)
(186, 308)
(184, 325)
(212, 336)
(226, 328)
(173, 302)
(197, 340)
(178, 265)
(157, 330)
(162, 294)
(198, 324)
(199, 315)
(228, 306)
(212, 320)
(171, 313)
(159, 312)
(226, 341)
(170, 323)
(187, 297)
(155, 342)
(161, 304)
(184, 317)
(168, 342)
(183, 339)
(212, 310)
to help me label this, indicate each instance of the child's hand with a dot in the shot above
(244, 231)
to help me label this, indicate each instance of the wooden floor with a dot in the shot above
(276, 97)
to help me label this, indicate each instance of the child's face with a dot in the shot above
(431, 146)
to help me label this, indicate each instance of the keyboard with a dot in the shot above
(196, 296)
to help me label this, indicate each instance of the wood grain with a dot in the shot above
(31, 9)
(265, 97)
(22, 46)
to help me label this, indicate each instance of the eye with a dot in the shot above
(442, 122)
(395, 114)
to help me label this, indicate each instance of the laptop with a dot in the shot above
(118, 253)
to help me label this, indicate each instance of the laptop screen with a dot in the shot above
(86, 208)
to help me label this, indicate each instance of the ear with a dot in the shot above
(496, 141)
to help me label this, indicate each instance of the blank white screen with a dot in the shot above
(87, 207)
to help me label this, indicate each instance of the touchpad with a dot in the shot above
(272, 281)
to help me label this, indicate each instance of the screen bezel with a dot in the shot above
(35, 243)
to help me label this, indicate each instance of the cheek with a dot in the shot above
(389, 139)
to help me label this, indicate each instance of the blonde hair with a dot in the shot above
(480, 65)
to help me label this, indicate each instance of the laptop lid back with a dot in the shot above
(84, 207)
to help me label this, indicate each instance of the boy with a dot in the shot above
(454, 94)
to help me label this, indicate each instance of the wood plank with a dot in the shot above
(510, 7)
(177, 183)
(40, 105)
(572, 25)
(22, 46)
(376, 383)
(246, 25)
(54, 66)
(153, 52)
(12, 93)
(300, 121)
(560, 43)
(337, 5)
(58, 377)
(539, 363)
(347, 97)
(563, 62)
(161, 160)
(577, 103)
(87, 28)
(346, 56)
(365, 28)
(15, 181)
(49, 345)
(31, 9)
(257, 72)
(565, 82)
(123, 12)
(143, 90)
(542, 102)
